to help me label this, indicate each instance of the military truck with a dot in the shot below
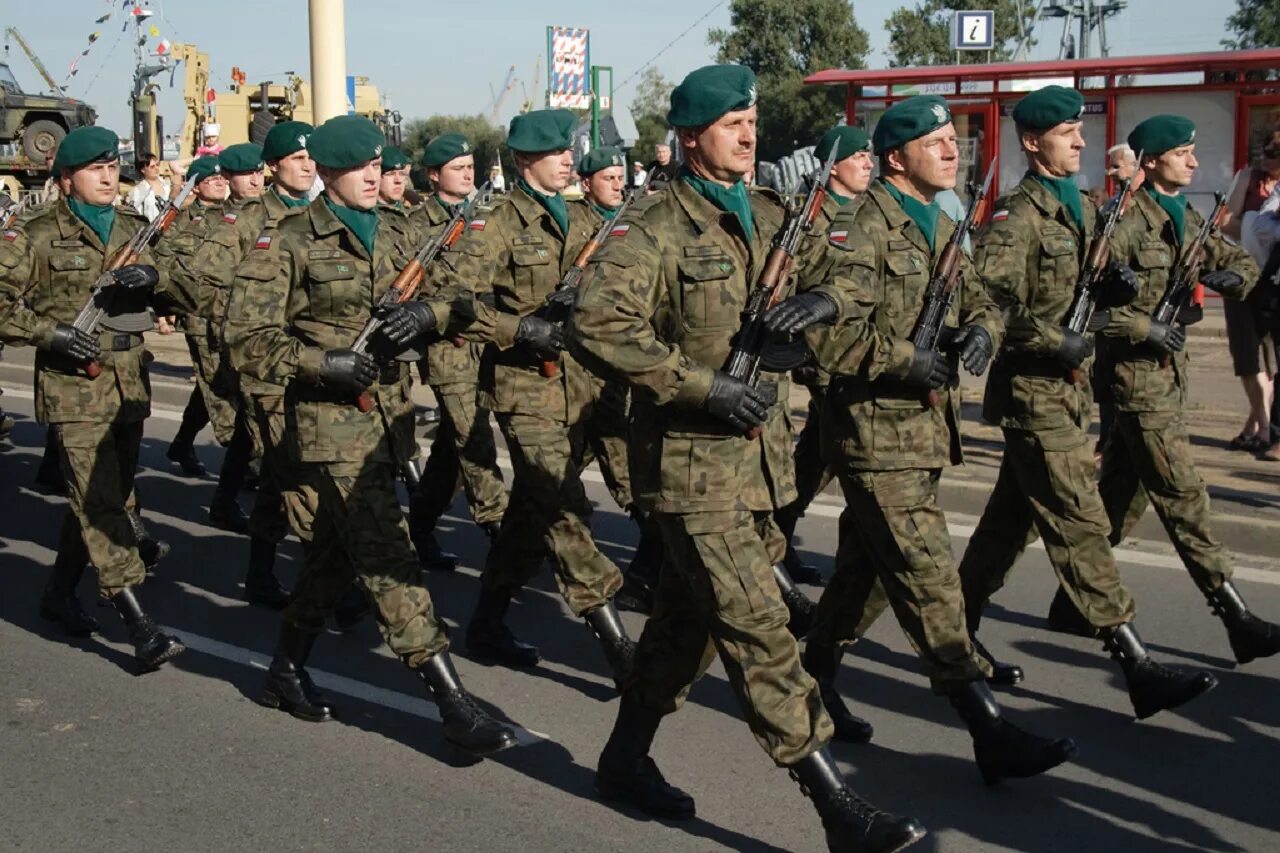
(35, 124)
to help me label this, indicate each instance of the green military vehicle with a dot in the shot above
(35, 124)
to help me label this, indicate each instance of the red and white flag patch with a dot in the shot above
(1000, 216)
(10, 236)
(619, 230)
(264, 242)
(230, 218)
(477, 225)
(839, 238)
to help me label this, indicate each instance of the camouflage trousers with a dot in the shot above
(605, 442)
(1148, 458)
(99, 461)
(465, 453)
(360, 519)
(1051, 493)
(813, 474)
(549, 509)
(717, 596)
(216, 384)
(286, 499)
(893, 530)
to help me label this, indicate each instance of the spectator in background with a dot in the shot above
(496, 179)
(1121, 162)
(664, 168)
(638, 174)
(151, 192)
(210, 145)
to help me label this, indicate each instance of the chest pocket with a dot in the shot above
(336, 289)
(906, 274)
(708, 297)
(1153, 256)
(533, 275)
(70, 276)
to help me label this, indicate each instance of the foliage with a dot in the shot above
(649, 112)
(1255, 23)
(486, 139)
(922, 35)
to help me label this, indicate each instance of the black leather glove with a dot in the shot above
(929, 369)
(1099, 321)
(799, 312)
(1166, 339)
(347, 370)
(1074, 349)
(1119, 286)
(74, 343)
(544, 338)
(136, 277)
(735, 402)
(1220, 280)
(563, 298)
(406, 324)
(973, 343)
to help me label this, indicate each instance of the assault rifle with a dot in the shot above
(409, 279)
(9, 210)
(940, 294)
(100, 297)
(752, 338)
(1086, 299)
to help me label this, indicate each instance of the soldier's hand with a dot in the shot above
(347, 370)
(799, 312)
(1166, 339)
(1100, 320)
(735, 402)
(74, 343)
(1074, 349)
(136, 277)
(1119, 286)
(563, 298)
(929, 369)
(545, 338)
(406, 324)
(1221, 280)
(975, 347)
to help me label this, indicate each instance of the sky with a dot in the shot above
(429, 57)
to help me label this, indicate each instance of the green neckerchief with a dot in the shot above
(449, 208)
(289, 201)
(841, 200)
(99, 217)
(732, 199)
(606, 212)
(1175, 206)
(363, 223)
(1067, 194)
(925, 216)
(553, 203)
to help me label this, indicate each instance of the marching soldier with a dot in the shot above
(889, 445)
(512, 260)
(299, 300)
(48, 266)
(659, 310)
(1030, 259)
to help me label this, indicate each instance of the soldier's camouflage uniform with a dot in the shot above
(888, 445)
(659, 307)
(512, 259)
(307, 286)
(1030, 259)
(48, 265)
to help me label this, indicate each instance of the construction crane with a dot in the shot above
(528, 104)
(495, 105)
(12, 33)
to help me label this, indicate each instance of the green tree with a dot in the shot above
(922, 36)
(649, 112)
(486, 139)
(784, 41)
(1255, 23)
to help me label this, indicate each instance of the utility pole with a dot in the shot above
(1091, 15)
(328, 59)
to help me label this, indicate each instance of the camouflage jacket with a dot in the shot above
(811, 254)
(512, 260)
(176, 254)
(447, 364)
(878, 266)
(308, 286)
(1145, 241)
(660, 304)
(1030, 258)
(48, 266)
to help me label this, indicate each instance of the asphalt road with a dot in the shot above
(93, 757)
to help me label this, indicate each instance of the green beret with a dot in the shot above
(1156, 135)
(243, 157)
(393, 158)
(286, 138)
(909, 119)
(845, 139)
(344, 142)
(709, 92)
(445, 147)
(542, 130)
(600, 158)
(204, 167)
(86, 145)
(1049, 107)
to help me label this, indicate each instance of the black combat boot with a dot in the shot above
(467, 726)
(424, 511)
(823, 662)
(625, 771)
(798, 569)
(150, 549)
(289, 687)
(641, 575)
(61, 604)
(799, 606)
(351, 609)
(1003, 750)
(260, 583)
(1153, 687)
(1251, 638)
(491, 529)
(619, 650)
(488, 634)
(150, 646)
(182, 449)
(1066, 619)
(225, 512)
(1002, 674)
(431, 556)
(853, 825)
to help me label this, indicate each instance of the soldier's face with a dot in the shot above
(1174, 168)
(726, 149)
(212, 190)
(605, 186)
(96, 183)
(852, 175)
(356, 187)
(391, 189)
(456, 179)
(549, 172)
(246, 184)
(295, 173)
(931, 161)
(1056, 152)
